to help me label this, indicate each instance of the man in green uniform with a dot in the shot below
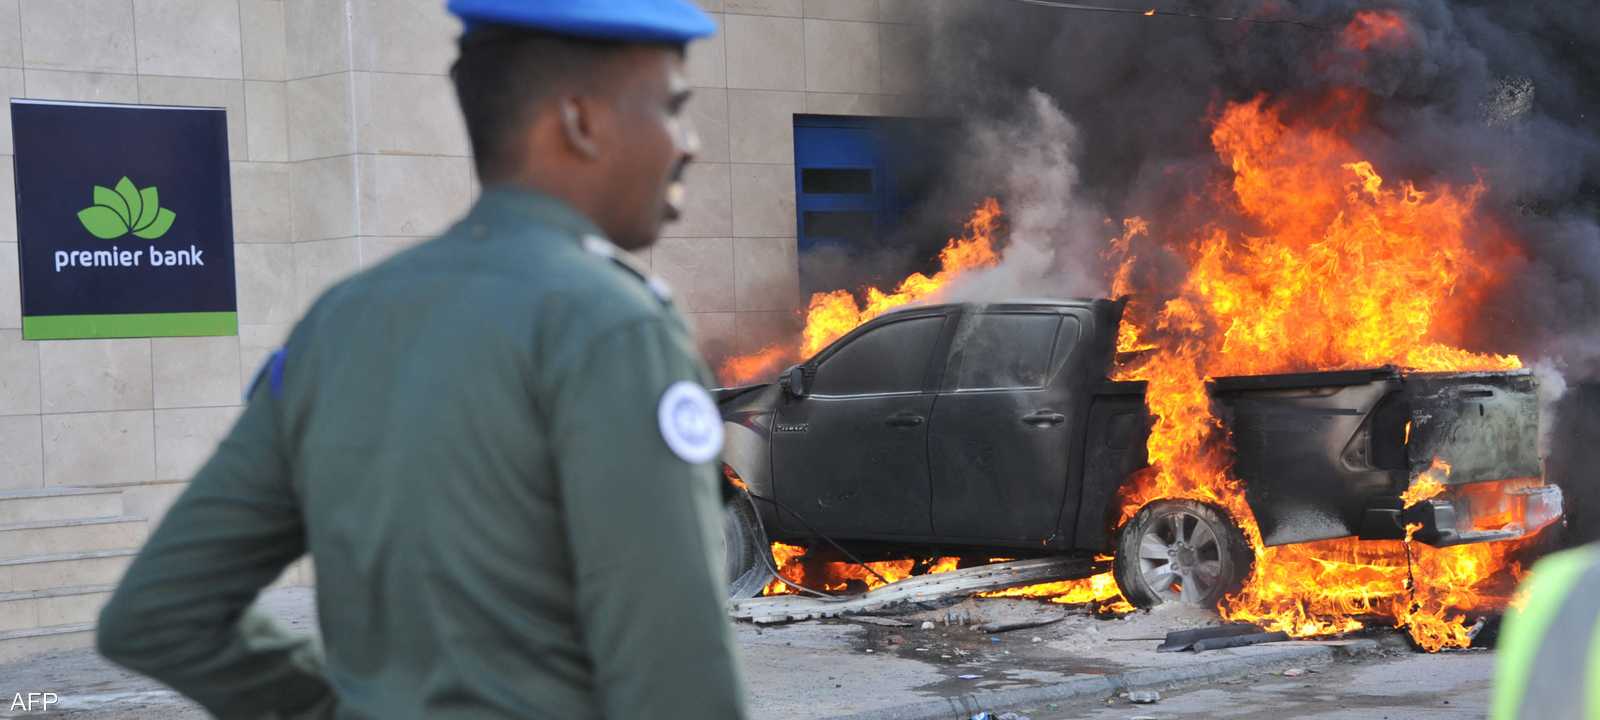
(1549, 652)
(495, 446)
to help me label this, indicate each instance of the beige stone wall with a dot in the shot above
(732, 259)
(346, 146)
(141, 414)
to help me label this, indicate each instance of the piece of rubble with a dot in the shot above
(1036, 638)
(1144, 697)
(920, 589)
(1009, 626)
(927, 625)
(875, 620)
(1294, 672)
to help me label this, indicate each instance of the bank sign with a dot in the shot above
(124, 221)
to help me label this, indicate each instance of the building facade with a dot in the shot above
(346, 146)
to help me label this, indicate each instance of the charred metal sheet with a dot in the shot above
(1184, 639)
(1485, 425)
(1239, 641)
(926, 588)
(1010, 626)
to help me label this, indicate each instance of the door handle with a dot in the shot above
(904, 420)
(1043, 418)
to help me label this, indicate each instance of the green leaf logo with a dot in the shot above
(126, 209)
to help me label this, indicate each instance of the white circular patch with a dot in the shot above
(690, 422)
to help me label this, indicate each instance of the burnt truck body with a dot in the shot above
(993, 428)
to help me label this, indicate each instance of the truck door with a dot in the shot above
(851, 457)
(1001, 441)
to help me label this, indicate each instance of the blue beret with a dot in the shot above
(643, 21)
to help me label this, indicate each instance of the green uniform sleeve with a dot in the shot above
(642, 525)
(181, 614)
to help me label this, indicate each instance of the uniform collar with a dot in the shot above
(534, 205)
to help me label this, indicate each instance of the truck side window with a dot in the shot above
(891, 358)
(997, 351)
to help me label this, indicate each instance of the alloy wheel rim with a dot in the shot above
(1180, 558)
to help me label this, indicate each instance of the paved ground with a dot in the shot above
(1413, 687)
(839, 669)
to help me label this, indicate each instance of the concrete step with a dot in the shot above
(52, 537)
(18, 644)
(19, 506)
(45, 572)
(58, 606)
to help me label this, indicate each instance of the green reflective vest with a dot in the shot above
(1549, 652)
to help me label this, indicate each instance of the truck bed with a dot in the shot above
(1326, 455)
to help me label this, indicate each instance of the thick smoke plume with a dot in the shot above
(1498, 93)
(1055, 236)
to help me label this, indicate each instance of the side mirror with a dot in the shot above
(794, 382)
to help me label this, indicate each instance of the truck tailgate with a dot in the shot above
(1484, 425)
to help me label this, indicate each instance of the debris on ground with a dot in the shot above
(1239, 641)
(1294, 672)
(875, 620)
(1008, 627)
(921, 589)
(1218, 637)
(1185, 639)
(1144, 697)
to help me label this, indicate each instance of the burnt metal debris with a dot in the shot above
(1218, 637)
(925, 588)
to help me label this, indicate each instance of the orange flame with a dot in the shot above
(759, 365)
(1339, 271)
(836, 577)
(1374, 27)
(1426, 485)
(831, 315)
(1099, 590)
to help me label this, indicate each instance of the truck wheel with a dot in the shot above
(743, 545)
(1180, 551)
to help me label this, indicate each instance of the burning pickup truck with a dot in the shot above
(979, 430)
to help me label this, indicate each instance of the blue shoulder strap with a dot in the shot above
(272, 372)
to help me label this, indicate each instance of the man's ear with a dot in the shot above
(578, 126)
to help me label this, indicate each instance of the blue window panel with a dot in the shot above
(856, 179)
(834, 154)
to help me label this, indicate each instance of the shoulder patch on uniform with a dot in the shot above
(690, 423)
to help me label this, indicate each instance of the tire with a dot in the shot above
(743, 545)
(1180, 551)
